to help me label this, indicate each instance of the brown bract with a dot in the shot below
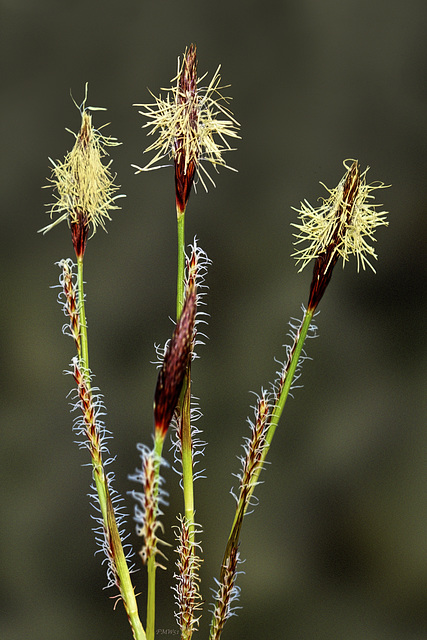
(186, 146)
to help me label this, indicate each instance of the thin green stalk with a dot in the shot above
(107, 511)
(245, 494)
(283, 395)
(187, 459)
(185, 400)
(180, 283)
(284, 392)
(82, 313)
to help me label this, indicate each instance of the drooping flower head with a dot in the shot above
(84, 185)
(192, 123)
(343, 225)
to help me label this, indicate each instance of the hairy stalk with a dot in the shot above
(285, 384)
(184, 406)
(263, 433)
(84, 353)
(113, 544)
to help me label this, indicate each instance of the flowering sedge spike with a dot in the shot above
(197, 263)
(193, 125)
(91, 427)
(70, 306)
(252, 463)
(84, 185)
(187, 589)
(255, 445)
(226, 594)
(148, 513)
(172, 374)
(343, 225)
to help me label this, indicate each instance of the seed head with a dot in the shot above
(192, 125)
(84, 185)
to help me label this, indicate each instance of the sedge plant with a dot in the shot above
(192, 127)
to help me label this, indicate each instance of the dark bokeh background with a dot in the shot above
(338, 545)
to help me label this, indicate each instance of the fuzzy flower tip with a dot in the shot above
(84, 185)
(343, 225)
(192, 123)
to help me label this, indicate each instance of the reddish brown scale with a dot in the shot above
(79, 233)
(185, 167)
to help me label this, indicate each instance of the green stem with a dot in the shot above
(181, 265)
(185, 400)
(245, 495)
(82, 314)
(284, 392)
(295, 356)
(187, 458)
(122, 571)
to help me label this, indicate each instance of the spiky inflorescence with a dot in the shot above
(192, 125)
(197, 263)
(174, 367)
(187, 589)
(254, 446)
(93, 435)
(70, 306)
(226, 594)
(84, 185)
(344, 224)
(150, 498)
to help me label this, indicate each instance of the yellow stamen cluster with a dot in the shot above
(349, 224)
(84, 185)
(172, 117)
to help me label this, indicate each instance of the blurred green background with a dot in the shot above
(337, 547)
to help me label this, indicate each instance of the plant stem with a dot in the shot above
(185, 399)
(283, 392)
(113, 540)
(180, 284)
(82, 313)
(287, 383)
(187, 459)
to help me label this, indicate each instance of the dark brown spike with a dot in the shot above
(172, 374)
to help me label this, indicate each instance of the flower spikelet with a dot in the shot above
(192, 123)
(226, 594)
(197, 263)
(89, 424)
(147, 509)
(344, 224)
(172, 374)
(67, 282)
(84, 184)
(254, 448)
(187, 589)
